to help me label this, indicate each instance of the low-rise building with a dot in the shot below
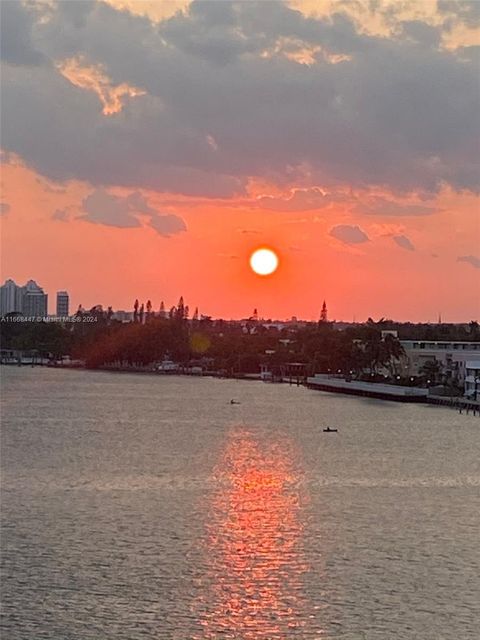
(122, 316)
(472, 379)
(451, 355)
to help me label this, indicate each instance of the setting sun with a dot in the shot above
(264, 261)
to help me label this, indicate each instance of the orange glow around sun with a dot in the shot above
(264, 261)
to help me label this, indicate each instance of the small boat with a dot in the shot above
(234, 402)
(328, 430)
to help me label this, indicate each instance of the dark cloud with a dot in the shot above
(473, 260)
(389, 112)
(114, 211)
(421, 32)
(167, 224)
(105, 208)
(4, 208)
(349, 234)
(16, 44)
(464, 11)
(404, 242)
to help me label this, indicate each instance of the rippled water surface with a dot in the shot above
(136, 506)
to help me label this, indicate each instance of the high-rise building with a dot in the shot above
(35, 300)
(11, 298)
(62, 303)
(30, 300)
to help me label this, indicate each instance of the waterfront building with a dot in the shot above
(472, 379)
(451, 355)
(35, 300)
(11, 298)
(62, 304)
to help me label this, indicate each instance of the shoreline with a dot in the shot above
(316, 383)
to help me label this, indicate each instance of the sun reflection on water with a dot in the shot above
(253, 542)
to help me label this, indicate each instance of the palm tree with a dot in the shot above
(432, 369)
(393, 352)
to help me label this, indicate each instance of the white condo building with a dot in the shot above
(11, 298)
(35, 300)
(472, 379)
(453, 356)
(30, 300)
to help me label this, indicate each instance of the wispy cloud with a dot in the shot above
(300, 200)
(472, 260)
(379, 206)
(61, 215)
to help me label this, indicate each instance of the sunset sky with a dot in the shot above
(149, 147)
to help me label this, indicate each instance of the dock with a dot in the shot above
(379, 391)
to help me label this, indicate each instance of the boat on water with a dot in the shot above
(167, 366)
(329, 430)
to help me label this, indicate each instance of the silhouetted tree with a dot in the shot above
(148, 310)
(180, 312)
(474, 330)
(324, 313)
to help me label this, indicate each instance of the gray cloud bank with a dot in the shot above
(116, 211)
(225, 99)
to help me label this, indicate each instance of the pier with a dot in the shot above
(367, 389)
(462, 405)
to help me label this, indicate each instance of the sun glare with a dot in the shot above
(264, 261)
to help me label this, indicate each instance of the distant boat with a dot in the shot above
(328, 430)
(234, 402)
(167, 366)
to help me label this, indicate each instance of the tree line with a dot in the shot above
(227, 346)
